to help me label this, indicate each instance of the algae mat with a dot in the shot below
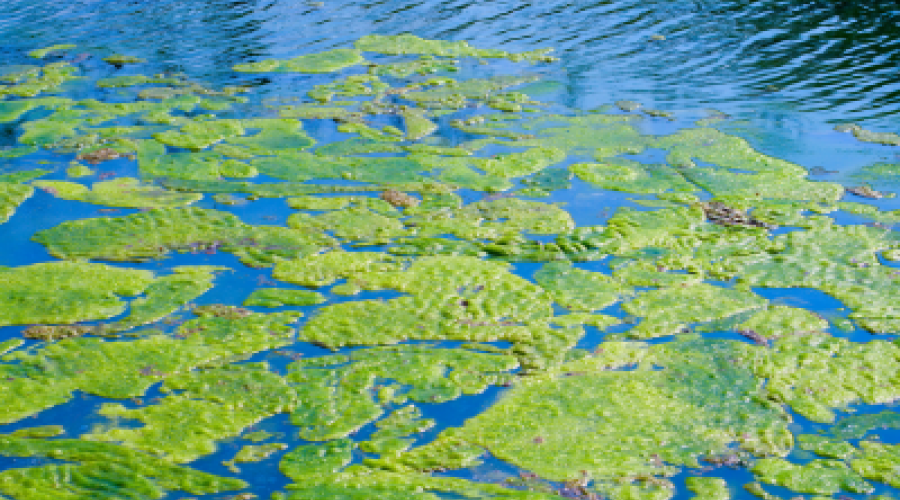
(384, 285)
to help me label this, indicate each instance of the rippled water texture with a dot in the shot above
(837, 58)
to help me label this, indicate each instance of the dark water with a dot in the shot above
(790, 69)
(836, 59)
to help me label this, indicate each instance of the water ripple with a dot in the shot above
(835, 58)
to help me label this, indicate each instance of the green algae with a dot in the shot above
(393, 431)
(166, 295)
(668, 310)
(826, 447)
(411, 44)
(817, 374)
(708, 488)
(338, 399)
(42, 432)
(494, 220)
(11, 196)
(10, 345)
(857, 426)
(99, 471)
(316, 461)
(688, 407)
(601, 321)
(120, 192)
(48, 377)
(209, 406)
(632, 177)
(154, 233)
(42, 53)
(253, 453)
(258, 436)
(417, 125)
(324, 62)
(425, 65)
(864, 135)
(13, 110)
(778, 321)
(356, 224)
(122, 59)
(278, 297)
(201, 134)
(576, 289)
(877, 462)
(460, 298)
(78, 170)
(838, 260)
(822, 477)
(66, 292)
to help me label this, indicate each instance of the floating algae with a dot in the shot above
(617, 419)
(608, 413)
(325, 62)
(154, 233)
(121, 192)
(209, 406)
(277, 297)
(48, 377)
(99, 470)
(339, 397)
(253, 453)
(67, 292)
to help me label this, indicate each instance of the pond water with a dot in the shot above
(303, 250)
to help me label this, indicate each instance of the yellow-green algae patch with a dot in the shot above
(337, 395)
(817, 374)
(66, 292)
(778, 321)
(43, 52)
(210, 405)
(577, 289)
(33, 381)
(11, 196)
(708, 488)
(166, 295)
(683, 401)
(459, 298)
(253, 453)
(99, 471)
(841, 261)
(826, 447)
(668, 310)
(857, 426)
(277, 297)
(324, 62)
(121, 192)
(821, 477)
(154, 233)
(411, 44)
(394, 430)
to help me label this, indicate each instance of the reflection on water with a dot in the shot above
(835, 58)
